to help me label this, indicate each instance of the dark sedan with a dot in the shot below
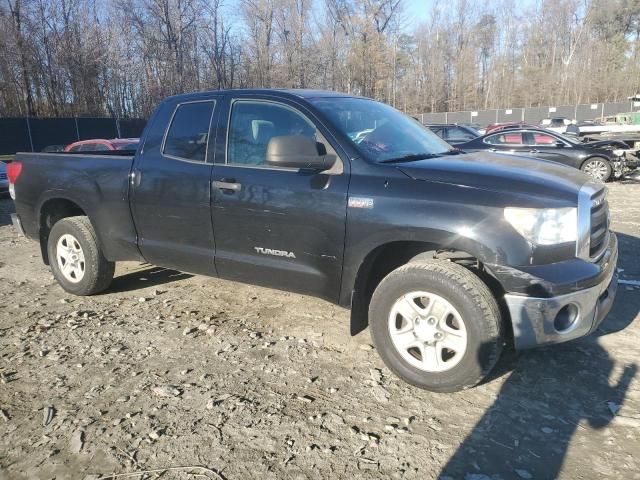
(601, 160)
(453, 133)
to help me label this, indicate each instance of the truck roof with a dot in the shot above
(293, 92)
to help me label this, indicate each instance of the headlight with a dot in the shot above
(618, 152)
(544, 226)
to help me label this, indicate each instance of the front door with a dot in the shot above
(281, 227)
(545, 146)
(171, 200)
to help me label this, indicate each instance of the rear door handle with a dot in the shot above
(493, 149)
(534, 151)
(227, 186)
(136, 176)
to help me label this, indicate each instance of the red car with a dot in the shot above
(496, 127)
(99, 145)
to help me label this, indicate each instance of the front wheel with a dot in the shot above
(597, 168)
(436, 325)
(76, 259)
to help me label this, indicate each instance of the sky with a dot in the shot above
(417, 10)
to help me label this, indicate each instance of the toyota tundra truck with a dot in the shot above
(446, 256)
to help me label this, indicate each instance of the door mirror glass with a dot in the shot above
(297, 151)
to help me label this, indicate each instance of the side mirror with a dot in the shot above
(559, 144)
(296, 151)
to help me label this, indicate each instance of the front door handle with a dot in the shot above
(227, 186)
(533, 151)
(493, 149)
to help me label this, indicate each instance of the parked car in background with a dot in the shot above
(495, 127)
(628, 118)
(453, 133)
(554, 122)
(53, 148)
(600, 160)
(476, 126)
(100, 145)
(4, 181)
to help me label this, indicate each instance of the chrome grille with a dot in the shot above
(599, 230)
(593, 221)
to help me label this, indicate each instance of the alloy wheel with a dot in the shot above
(427, 331)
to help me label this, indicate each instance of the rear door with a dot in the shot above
(281, 227)
(170, 184)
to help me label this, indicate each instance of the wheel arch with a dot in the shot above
(383, 258)
(51, 210)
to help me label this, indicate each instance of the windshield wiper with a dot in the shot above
(411, 158)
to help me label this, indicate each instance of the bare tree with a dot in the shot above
(121, 57)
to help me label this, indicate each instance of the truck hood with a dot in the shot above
(500, 172)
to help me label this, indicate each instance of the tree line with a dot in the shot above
(121, 57)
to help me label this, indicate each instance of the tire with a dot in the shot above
(75, 257)
(472, 305)
(597, 168)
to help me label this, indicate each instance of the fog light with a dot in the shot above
(566, 318)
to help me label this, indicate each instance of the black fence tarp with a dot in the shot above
(532, 115)
(14, 135)
(36, 134)
(46, 132)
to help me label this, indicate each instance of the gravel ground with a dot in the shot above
(172, 370)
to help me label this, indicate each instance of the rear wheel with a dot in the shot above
(597, 168)
(75, 257)
(436, 325)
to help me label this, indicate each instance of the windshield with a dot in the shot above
(379, 132)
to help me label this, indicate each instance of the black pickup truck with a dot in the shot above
(446, 256)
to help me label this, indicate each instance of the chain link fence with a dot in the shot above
(534, 115)
(37, 134)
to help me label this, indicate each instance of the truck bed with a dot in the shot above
(98, 185)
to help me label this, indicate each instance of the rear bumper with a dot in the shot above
(542, 321)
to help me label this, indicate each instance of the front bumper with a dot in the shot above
(541, 321)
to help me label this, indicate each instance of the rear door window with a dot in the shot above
(505, 138)
(86, 147)
(188, 134)
(459, 134)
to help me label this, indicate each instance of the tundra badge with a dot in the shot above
(277, 253)
(360, 202)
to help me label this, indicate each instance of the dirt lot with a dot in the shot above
(172, 370)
